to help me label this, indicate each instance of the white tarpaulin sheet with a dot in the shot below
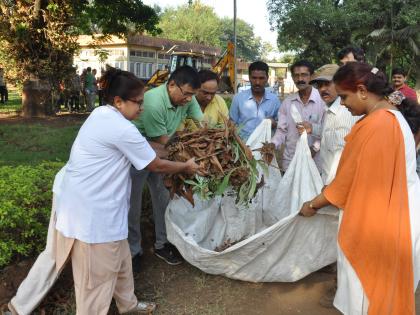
(275, 244)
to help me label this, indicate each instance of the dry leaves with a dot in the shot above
(224, 159)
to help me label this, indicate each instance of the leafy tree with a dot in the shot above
(314, 29)
(198, 23)
(39, 39)
(248, 46)
(388, 30)
(195, 23)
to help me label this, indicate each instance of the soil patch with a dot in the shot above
(59, 120)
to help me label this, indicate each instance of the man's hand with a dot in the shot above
(304, 126)
(191, 167)
(306, 210)
(273, 123)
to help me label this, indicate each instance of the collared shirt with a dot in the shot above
(287, 132)
(246, 113)
(336, 124)
(160, 117)
(95, 192)
(408, 92)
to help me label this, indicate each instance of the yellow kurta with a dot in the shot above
(214, 113)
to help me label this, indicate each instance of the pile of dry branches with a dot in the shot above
(224, 159)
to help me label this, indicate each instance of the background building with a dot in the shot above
(139, 54)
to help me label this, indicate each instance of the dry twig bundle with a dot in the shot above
(224, 159)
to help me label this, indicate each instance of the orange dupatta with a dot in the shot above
(371, 188)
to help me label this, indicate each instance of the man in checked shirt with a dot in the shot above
(311, 107)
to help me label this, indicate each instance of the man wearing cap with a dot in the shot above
(336, 124)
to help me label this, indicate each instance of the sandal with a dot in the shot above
(142, 308)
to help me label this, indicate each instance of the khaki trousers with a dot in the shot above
(101, 272)
(42, 275)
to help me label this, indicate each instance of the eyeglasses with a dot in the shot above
(185, 94)
(140, 103)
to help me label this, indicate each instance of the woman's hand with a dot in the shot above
(306, 210)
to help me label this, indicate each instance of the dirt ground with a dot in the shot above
(60, 120)
(183, 289)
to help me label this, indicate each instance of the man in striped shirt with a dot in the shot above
(336, 122)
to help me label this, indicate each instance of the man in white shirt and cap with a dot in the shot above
(336, 122)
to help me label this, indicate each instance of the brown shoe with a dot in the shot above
(327, 300)
(142, 308)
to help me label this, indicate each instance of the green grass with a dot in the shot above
(34, 143)
(14, 104)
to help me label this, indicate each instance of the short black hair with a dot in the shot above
(207, 75)
(258, 65)
(357, 52)
(303, 63)
(120, 83)
(185, 75)
(399, 71)
(89, 69)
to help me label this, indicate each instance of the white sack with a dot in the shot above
(275, 243)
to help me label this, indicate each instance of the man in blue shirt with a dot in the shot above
(251, 106)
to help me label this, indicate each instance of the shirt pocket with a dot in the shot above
(314, 118)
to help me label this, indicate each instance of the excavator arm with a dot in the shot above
(227, 60)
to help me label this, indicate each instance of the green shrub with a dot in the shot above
(25, 207)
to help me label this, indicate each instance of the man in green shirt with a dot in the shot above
(165, 107)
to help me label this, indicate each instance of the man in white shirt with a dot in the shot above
(336, 122)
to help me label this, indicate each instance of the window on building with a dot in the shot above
(119, 65)
(138, 69)
(150, 70)
(132, 52)
(132, 67)
(144, 71)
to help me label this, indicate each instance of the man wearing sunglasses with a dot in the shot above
(165, 108)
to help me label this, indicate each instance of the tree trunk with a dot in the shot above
(36, 99)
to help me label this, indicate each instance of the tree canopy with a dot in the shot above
(388, 30)
(197, 22)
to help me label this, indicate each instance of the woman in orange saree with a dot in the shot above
(378, 191)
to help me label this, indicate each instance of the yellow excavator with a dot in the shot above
(224, 67)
